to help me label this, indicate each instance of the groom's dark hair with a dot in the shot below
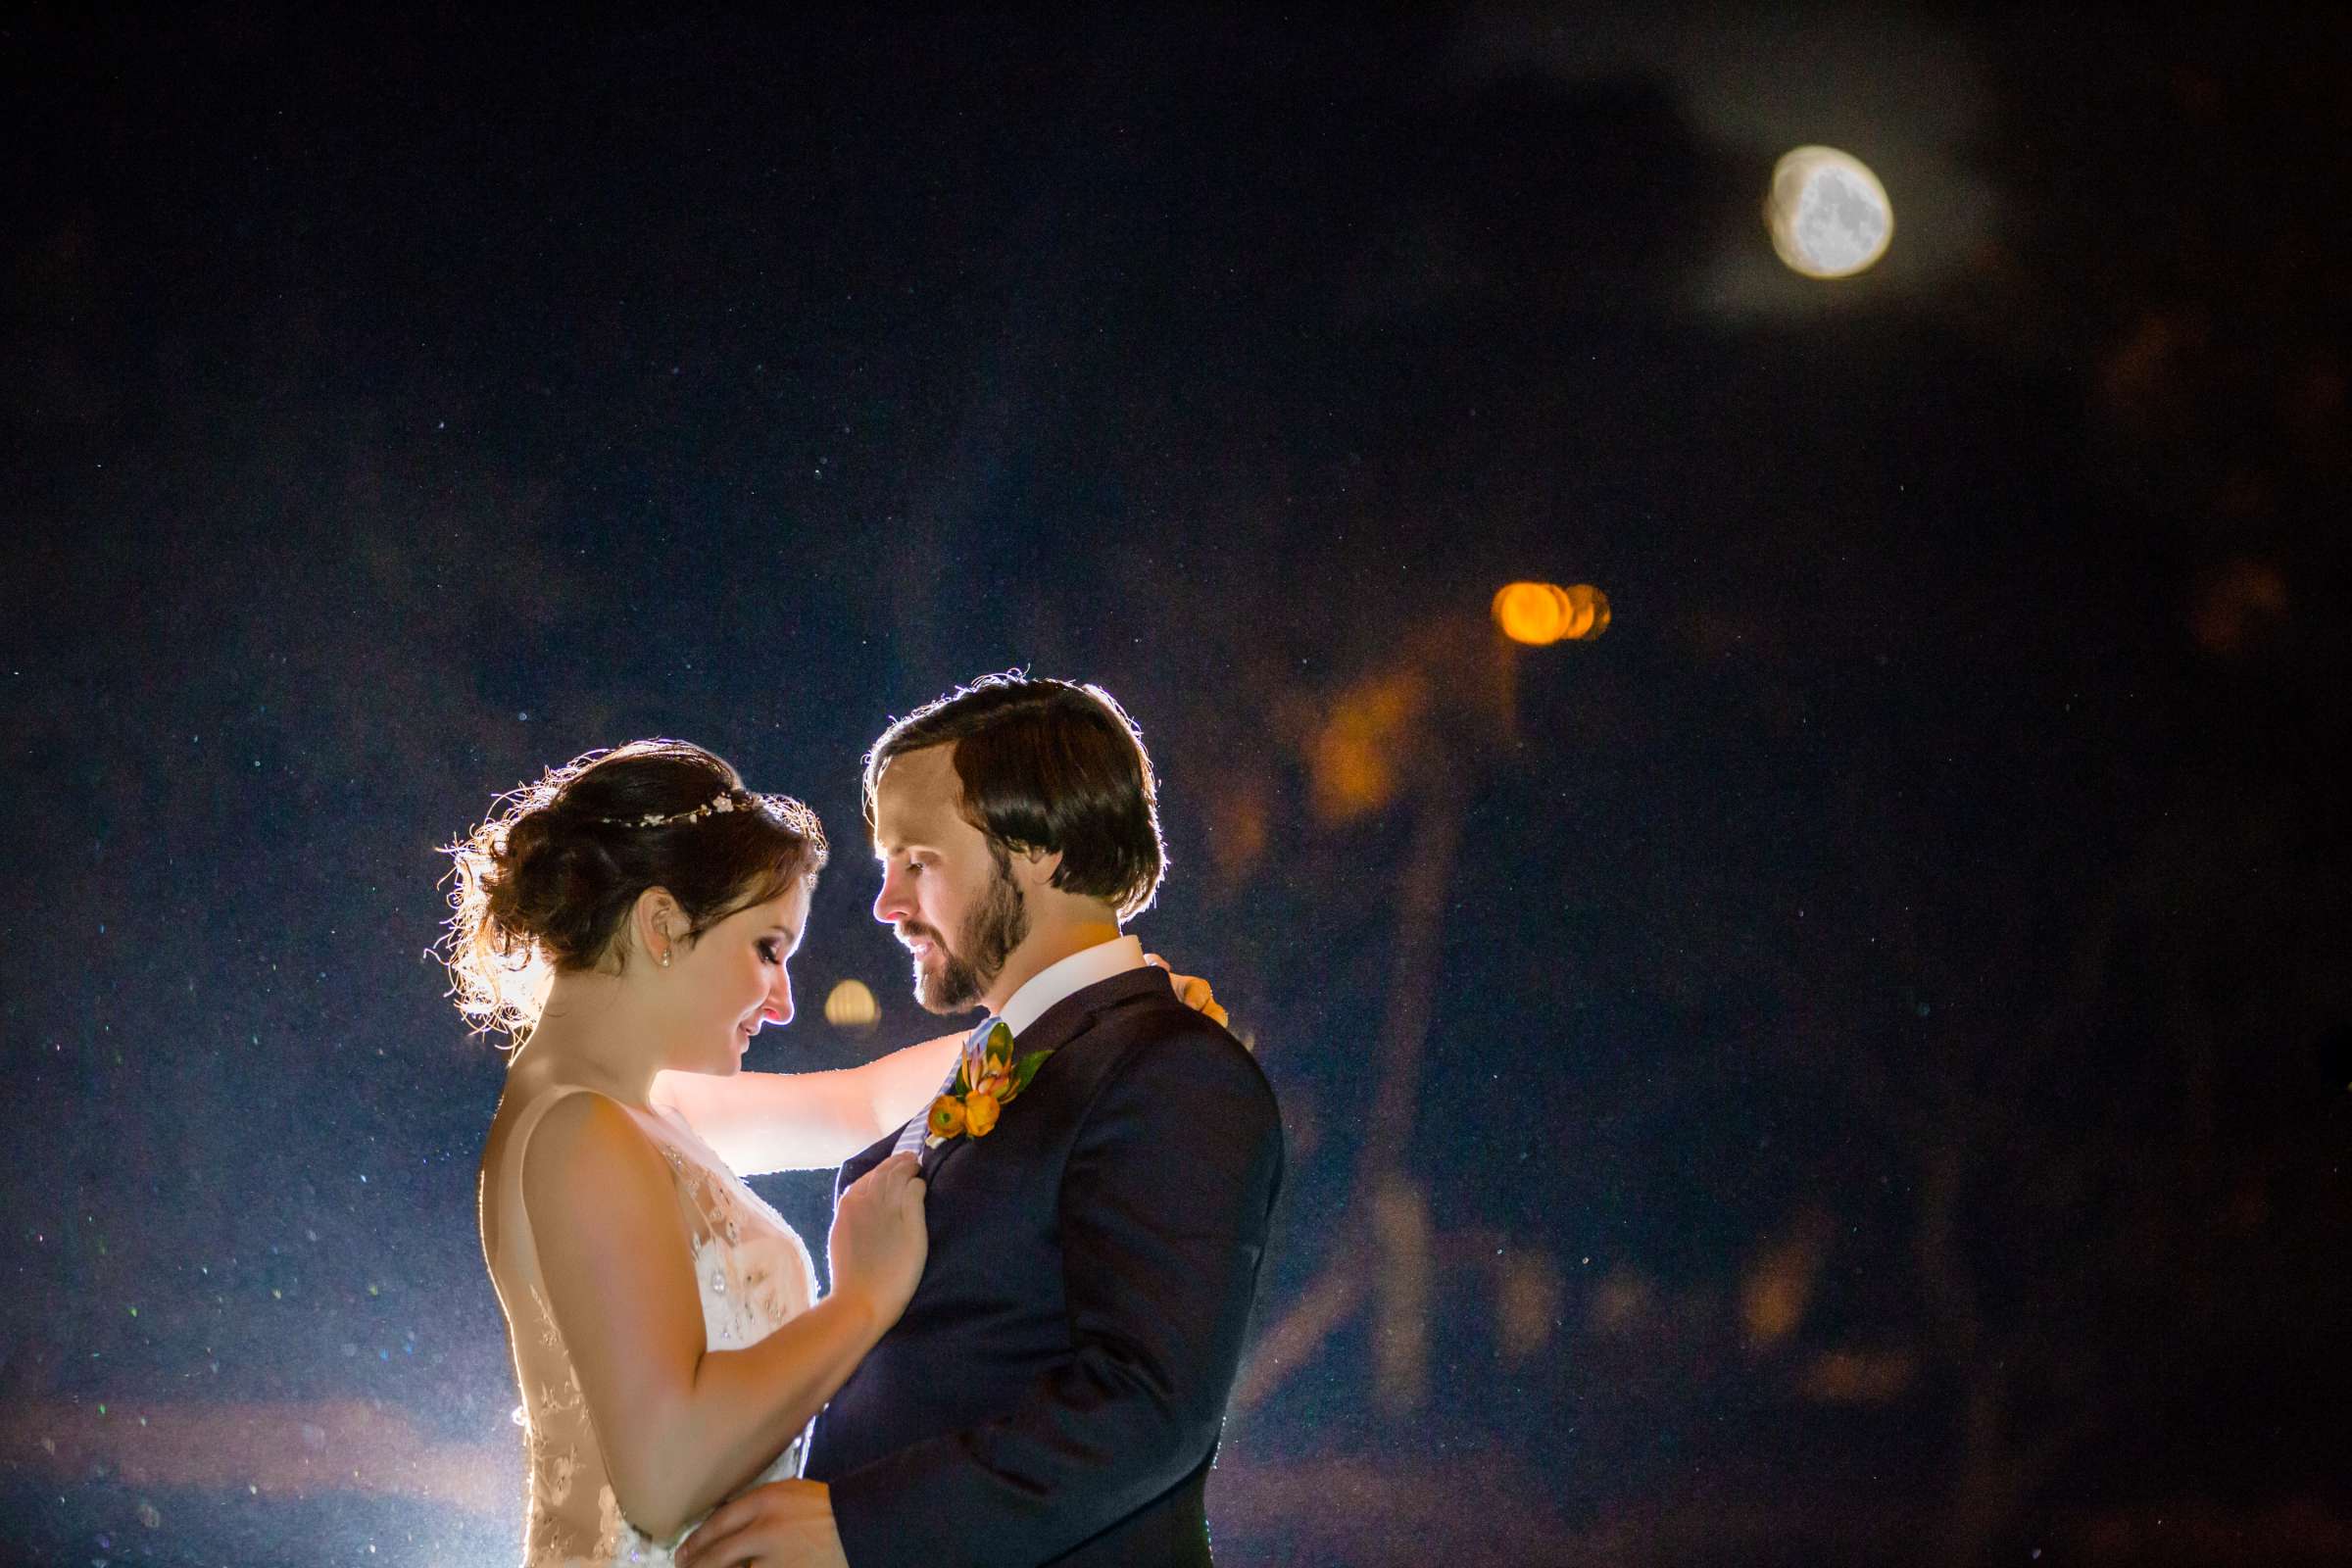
(1047, 764)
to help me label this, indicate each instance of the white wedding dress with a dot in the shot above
(752, 1272)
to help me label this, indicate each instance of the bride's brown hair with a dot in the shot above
(547, 883)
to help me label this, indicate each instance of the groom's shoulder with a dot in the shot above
(1159, 1041)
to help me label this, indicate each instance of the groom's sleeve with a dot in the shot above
(1164, 1209)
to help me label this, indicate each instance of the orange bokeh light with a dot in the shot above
(1533, 613)
(1592, 608)
(1539, 614)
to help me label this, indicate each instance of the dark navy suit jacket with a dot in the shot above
(1054, 1391)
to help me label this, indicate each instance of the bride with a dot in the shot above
(632, 915)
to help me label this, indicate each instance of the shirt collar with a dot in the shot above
(1071, 976)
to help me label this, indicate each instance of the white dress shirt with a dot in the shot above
(1029, 1003)
(1070, 976)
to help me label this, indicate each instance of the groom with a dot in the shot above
(1054, 1392)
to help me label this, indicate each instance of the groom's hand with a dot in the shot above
(785, 1524)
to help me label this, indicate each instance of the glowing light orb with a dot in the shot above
(1589, 611)
(852, 1006)
(1829, 215)
(1539, 614)
(1533, 613)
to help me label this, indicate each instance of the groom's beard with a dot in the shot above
(991, 931)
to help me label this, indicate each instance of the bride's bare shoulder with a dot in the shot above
(564, 1151)
(584, 1150)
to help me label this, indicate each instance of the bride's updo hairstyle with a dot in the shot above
(547, 884)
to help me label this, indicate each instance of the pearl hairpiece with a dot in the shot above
(724, 802)
(783, 809)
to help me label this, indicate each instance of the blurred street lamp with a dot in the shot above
(1539, 614)
(851, 1008)
(1591, 609)
(1413, 737)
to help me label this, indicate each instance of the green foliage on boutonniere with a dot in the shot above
(983, 1088)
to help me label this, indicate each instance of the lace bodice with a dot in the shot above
(752, 1272)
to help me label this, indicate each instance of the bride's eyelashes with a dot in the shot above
(771, 950)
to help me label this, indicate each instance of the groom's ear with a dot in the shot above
(1034, 867)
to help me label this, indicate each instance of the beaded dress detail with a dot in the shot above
(753, 1275)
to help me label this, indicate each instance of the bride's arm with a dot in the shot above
(760, 1122)
(682, 1424)
(768, 1121)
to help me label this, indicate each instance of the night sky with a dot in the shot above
(1852, 1064)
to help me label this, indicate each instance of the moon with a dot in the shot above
(1829, 215)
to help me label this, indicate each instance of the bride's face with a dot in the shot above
(733, 981)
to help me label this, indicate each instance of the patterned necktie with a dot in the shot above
(911, 1136)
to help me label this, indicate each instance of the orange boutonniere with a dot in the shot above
(984, 1086)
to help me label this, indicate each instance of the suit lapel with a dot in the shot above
(1059, 1026)
(861, 1163)
(937, 1155)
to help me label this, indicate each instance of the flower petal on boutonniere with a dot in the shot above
(948, 1117)
(986, 1082)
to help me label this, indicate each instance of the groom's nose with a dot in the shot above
(891, 904)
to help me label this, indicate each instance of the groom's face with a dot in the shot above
(944, 891)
